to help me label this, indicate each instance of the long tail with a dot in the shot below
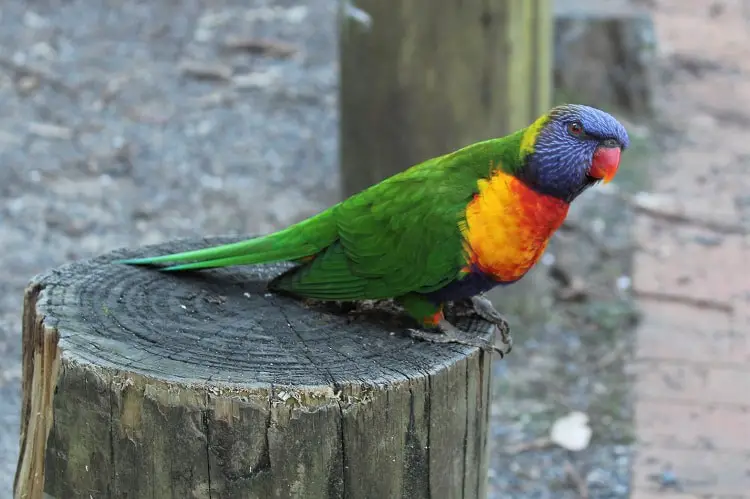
(298, 241)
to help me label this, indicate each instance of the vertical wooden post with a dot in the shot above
(429, 77)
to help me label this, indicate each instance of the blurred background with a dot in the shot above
(124, 123)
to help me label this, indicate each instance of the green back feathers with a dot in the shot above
(479, 160)
(399, 236)
(508, 153)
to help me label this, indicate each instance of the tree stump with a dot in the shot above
(143, 384)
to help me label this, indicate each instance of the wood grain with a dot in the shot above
(424, 80)
(145, 384)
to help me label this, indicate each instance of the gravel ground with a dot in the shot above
(109, 138)
(105, 142)
(574, 321)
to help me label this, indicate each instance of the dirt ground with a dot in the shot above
(105, 141)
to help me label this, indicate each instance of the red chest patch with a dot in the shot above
(508, 226)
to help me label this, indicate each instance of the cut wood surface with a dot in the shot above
(144, 384)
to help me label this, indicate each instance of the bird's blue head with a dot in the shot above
(570, 149)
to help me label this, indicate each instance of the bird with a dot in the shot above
(445, 230)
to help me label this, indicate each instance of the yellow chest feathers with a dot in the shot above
(508, 226)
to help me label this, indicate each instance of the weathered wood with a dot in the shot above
(427, 78)
(605, 55)
(144, 384)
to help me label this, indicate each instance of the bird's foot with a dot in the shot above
(448, 333)
(486, 310)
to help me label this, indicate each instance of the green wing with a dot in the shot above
(399, 236)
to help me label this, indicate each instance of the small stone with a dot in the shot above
(621, 450)
(624, 283)
(668, 479)
(708, 240)
(28, 83)
(620, 489)
(50, 131)
(33, 20)
(598, 477)
(548, 259)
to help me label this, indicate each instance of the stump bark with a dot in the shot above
(143, 384)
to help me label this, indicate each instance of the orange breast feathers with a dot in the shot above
(508, 226)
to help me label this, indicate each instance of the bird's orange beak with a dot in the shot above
(605, 164)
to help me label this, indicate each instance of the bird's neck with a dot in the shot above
(566, 185)
(508, 225)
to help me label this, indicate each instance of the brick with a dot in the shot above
(692, 202)
(683, 316)
(693, 365)
(715, 200)
(654, 494)
(693, 270)
(697, 383)
(741, 314)
(685, 26)
(680, 332)
(687, 426)
(703, 472)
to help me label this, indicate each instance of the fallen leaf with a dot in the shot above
(262, 46)
(206, 70)
(50, 131)
(572, 431)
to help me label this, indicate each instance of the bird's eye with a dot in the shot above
(575, 129)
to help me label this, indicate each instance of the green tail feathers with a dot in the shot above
(295, 242)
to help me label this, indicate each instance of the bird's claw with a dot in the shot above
(486, 310)
(448, 333)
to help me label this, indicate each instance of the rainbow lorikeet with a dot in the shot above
(447, 229)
